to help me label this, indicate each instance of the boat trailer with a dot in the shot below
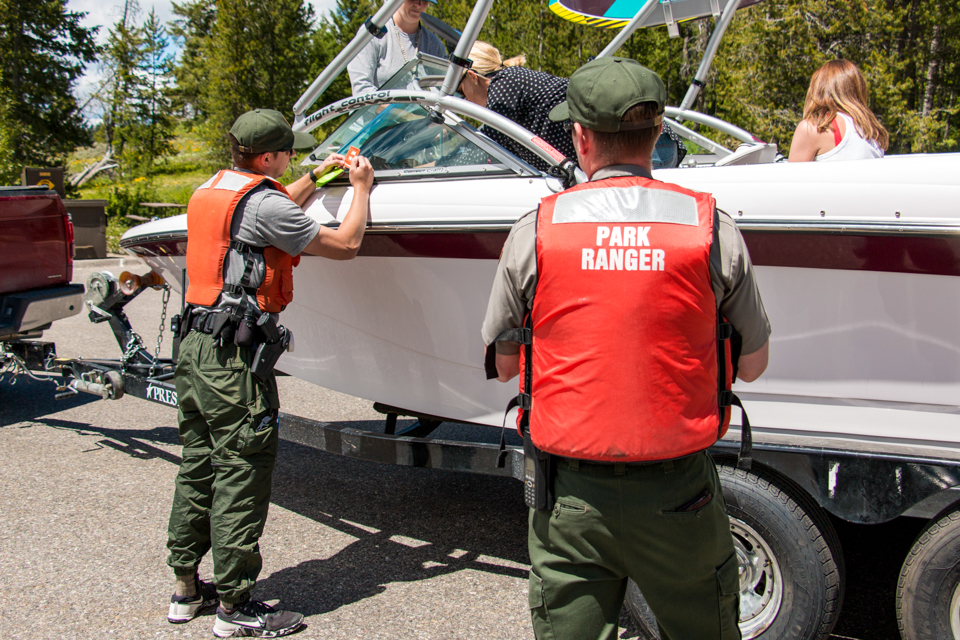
(145, 375)
(913, 486)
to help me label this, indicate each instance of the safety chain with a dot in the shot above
(134, 344)
(163, 321)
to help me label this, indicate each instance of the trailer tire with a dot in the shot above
(928, 591)
(792, 575)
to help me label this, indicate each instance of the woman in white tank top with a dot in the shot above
(837, 123)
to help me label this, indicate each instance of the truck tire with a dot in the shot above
(928, 591)
(791, 566)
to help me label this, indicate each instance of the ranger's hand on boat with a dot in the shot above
(331, 162)
(343, 242)
(361, 173)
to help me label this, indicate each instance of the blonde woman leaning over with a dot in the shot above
(837, 123)
(527, 96)
(523, 95)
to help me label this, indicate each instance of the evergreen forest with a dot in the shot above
(167, 93)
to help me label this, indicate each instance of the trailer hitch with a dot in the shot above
(106, 384)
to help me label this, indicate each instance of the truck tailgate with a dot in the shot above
(33, 242)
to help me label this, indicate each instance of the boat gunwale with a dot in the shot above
(768, 225)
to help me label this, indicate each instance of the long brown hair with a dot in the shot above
(838, 86)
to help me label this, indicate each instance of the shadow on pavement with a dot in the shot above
(29, 400)
(410, 524)
(869, 602)
(413, 524)
(128, 441)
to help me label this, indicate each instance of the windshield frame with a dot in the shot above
(365, 103)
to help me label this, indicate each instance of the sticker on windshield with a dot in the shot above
(352, 153)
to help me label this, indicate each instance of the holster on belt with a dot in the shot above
(180, 326)
(273, 340)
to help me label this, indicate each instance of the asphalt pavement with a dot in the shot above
(363, 550)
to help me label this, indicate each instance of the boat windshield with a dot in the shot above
(403, 136)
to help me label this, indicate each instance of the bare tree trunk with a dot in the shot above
(540, 43)
(931, 72)
(84, 176)
(580, 47)
(946, 127)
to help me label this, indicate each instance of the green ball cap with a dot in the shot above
(266, 130)
(602, 90)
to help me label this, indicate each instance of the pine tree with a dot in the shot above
(154, 131)
(122, 59)
(191, 30)
(9, 175)
(43, 51)
(258, 56)
(137, 121)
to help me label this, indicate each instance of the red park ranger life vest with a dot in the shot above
(624, 323)
(209, 215)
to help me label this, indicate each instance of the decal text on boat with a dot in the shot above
(380, 97)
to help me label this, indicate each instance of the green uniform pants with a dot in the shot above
(611, 523)
(228, 428)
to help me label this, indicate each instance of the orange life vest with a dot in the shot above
(624, 324)
(209, 215)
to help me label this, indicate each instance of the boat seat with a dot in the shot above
(749, 154)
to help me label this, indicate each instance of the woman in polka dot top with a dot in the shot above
(526, 97)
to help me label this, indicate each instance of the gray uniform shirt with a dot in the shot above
(381, 58)
(731, 273)
(266, 217)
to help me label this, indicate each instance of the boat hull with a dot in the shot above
(864, 310)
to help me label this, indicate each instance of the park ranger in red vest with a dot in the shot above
(245, 232)
(620, 295)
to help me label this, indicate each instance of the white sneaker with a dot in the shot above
(258, 620)
(185, 608)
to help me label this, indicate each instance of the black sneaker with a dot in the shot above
(186, 608)
(256, 619)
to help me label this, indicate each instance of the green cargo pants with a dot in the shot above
(613, 523)
(228, 428)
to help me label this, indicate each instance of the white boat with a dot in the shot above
(858, 265)
(857, 262)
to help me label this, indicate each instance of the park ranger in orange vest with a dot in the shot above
(245, 233)
(624, 293)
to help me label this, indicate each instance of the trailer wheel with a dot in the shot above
(928, 591)
(791, 568)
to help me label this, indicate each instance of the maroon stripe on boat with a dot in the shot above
(474, 245)
(904, 253)
(890, 253)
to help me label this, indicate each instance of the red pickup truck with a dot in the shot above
(36, 262)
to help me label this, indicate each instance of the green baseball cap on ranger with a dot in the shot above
(602, 90)
(266, 130)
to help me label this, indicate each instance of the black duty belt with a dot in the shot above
(203, 321)
(604, 463)
(617, 467)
